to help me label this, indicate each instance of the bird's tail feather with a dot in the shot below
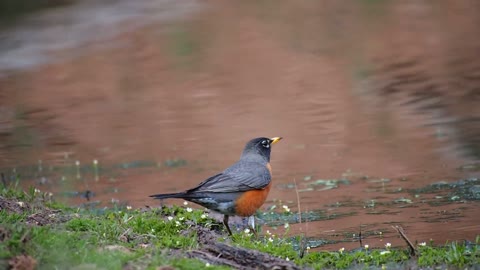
(180, 195)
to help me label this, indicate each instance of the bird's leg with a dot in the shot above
(251, 225)
(225, 222)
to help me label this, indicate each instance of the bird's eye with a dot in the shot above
(265, 144)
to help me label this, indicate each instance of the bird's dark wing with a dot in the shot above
(240, 177)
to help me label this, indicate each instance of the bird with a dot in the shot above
(241, 189)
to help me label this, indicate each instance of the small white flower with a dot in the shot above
(203, 216)
(422, 244)
(152, 230)
(95, 162)
(287, 259)
(286, 225)
(308, 247)
(207, 265)
(366, 246)
(388, 245)
(285, 207)
(77, 163)
(170, 218)
(341, 250)
(270, 239)
(189, 209)
(181, 218)
(384, 252)
(247, 231)
(21, 204)
(185, 203)
(129, 207)
(177, 223)
(268, 232)
(37, 190)
(50, 194)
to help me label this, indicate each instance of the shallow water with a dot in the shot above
(165, 104)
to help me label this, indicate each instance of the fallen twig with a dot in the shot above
(215, 252)
(413, 250)
(298, 202)
(360, 237)
(303, 240)
(4, 181)
(205, 256)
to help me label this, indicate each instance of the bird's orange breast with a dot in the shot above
(249, 202)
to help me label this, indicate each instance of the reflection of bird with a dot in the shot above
(239, 190)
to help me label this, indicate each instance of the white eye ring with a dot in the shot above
(265, 144)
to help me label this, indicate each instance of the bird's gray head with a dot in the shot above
(259, 148)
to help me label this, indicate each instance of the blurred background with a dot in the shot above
(104, 102)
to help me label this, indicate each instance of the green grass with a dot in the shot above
(453, 254)
(115, 238)
(109, 240)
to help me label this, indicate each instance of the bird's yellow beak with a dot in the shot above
(275, 139)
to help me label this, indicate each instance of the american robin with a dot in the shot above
(240, 189)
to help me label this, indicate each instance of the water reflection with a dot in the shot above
(368, 116)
